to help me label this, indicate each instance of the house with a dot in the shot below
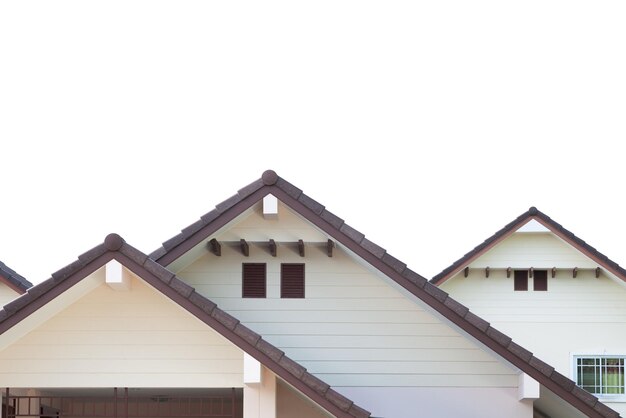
(555, 295)
(267, 306)
(11, 284)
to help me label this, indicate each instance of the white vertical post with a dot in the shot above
(259, 399)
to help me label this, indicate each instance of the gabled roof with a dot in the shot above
(355, 241)
(510, 228)
(13, 280)
(114, 247)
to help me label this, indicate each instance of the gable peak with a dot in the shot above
(269, 177)
(113, 242)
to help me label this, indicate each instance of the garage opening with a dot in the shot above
(123, 403)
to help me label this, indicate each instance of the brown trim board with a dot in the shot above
(184, 295)
(395, 269)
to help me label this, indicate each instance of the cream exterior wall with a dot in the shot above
(582, 315)
(290, 403)
(7, 294)
(135, 338)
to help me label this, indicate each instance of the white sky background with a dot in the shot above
(426, 125)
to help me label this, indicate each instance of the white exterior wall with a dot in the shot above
(538, 250)
(135, 338)
(441, 402)
(352, 329)
(582, 315)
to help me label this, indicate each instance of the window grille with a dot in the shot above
(601, 375)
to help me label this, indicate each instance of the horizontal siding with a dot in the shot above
(399, 367)
(587, 313)
(525, 250)
(122, 338)
(353, 328)
(398, 354)
(54, 380)
(471, 380)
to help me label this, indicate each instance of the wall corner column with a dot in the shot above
(259, 398)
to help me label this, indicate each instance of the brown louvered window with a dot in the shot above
(540, 280)
(253, 280)
(292, 280)
(520, 280)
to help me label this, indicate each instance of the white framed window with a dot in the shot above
(602, 375)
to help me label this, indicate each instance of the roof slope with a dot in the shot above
(14, 280)
(545, 220)
(114, 247)
(317, 214)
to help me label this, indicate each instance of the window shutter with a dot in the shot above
(292, 280)
(540, 280)
(521, 280)
(254, 283)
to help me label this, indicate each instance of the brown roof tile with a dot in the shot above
(228, 203)
(332, 219)
(520, 351)
(250, 188)
(269, 350)
(293, 367)
(437, 293)
(288, 188)
(585, 396)
(415, 278)
(393, 262)
(317, 208)
(317, 384)
(225, 318)
(201, 302)
(155, 268)
(15, 280)
(501, 338)
(338, 399)
(605, 411)
(247, 334)
(352, 233)
(373, 248)
(541, 366)
(460, 309)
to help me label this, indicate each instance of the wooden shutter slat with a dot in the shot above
(292, 281)
(520, 279)
(540, 280)
(254, 280)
